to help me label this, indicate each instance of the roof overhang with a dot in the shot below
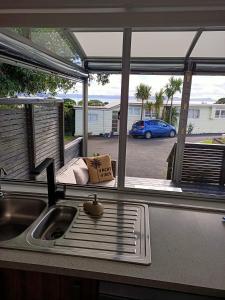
(17, 50)
(192, 18)
(113, 13)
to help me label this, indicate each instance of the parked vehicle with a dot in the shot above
(152, 128)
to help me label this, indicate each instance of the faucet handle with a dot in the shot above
(3, 172)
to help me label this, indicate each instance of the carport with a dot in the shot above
(143, 42)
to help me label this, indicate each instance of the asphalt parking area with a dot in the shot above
(145, 158)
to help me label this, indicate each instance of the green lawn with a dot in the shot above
(209, 141)
(68, 138)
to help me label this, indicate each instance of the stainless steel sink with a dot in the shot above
(122, 233)
(17, 214)
(55, 223)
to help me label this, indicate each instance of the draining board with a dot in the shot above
(121, 234)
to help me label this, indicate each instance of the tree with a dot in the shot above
(159, 98)
(100, 78)
(173, 115)
(220, 101)
(93, 102)
(69, 117)
(171, 89)
(68, 104)
(149, 106)
(15, 80)
(143, 92)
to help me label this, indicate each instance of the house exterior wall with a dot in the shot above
(207, 123)
(99, 121)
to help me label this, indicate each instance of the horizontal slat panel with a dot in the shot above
(202, 163)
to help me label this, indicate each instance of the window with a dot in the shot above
(139, 123)
(150, 115)
(220, 114)
(134, 111)
(193, 113)
(92, 118)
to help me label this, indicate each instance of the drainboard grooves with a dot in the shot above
(120, 211)
(122, 234)
(99, 227)
(103, 232)
(111, 218)
(100, 238)
(107, 223)
(98, 246)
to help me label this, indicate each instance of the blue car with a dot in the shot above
(152, 128)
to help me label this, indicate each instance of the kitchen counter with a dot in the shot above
(187, 248)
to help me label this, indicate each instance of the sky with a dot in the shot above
(202, 86)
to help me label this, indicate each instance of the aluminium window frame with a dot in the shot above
(189, 68)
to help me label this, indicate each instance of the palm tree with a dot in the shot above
(143, 92)
(159, 97)
(149, 106)
(168, 92)
(172, 88)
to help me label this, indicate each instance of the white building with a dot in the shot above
(205, 118)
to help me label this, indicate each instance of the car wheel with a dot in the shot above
(172, 133)
(148, 135)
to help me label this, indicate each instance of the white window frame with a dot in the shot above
(193, 113)
(131, 111)
(90, 116)
(220, 115)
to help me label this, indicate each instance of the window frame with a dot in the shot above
(195, 113)
(221, 114)
(90, 115)
(131, 110)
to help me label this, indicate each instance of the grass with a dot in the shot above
(209, 141)
(68, 138)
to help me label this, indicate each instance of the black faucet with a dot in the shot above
(4, 173)
(53, 193)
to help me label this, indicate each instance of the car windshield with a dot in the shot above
(139, 123)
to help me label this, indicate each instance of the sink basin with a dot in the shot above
(122, 233)
(55, 223)
(17, 214)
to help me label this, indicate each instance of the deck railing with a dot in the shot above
(202, 163)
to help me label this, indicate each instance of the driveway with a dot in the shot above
(145, 158)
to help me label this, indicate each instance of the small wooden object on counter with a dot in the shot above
(94, 208)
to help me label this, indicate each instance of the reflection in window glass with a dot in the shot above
(52, 40)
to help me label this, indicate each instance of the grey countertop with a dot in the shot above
(188, 254)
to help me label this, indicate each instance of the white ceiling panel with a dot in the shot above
(210, 44)
(161, 44)
(101, 44)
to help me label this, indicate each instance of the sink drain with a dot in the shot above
(55, 234)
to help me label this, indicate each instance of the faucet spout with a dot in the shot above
(53, 193)
(2, 173)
